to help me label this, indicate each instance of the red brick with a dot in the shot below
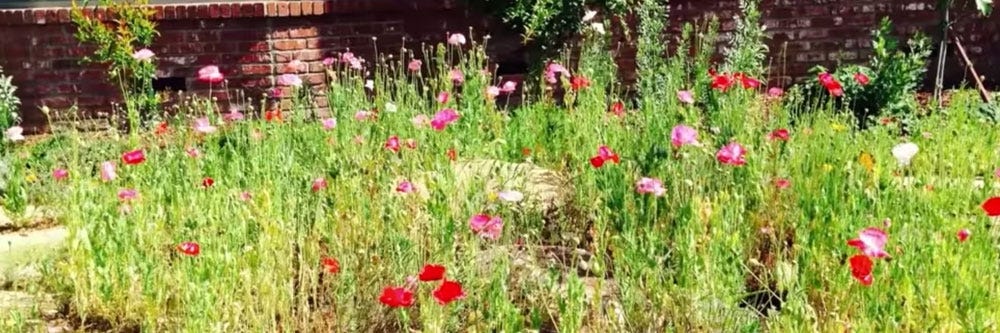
(287, 45)
(255, 69)
(282, 9)
(295, 8)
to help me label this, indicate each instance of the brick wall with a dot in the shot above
(251, 41)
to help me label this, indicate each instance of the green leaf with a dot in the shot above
(985, 6)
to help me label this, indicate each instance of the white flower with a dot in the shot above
(15, 134)
(589, 15)
(904, 152)
(390, 107)
(510, 196)
(370, 84)
(978, 183)
(598, 27)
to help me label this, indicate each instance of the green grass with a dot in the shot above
(680, 262)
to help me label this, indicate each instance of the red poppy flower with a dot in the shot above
(330, 265)
(963, 235)
(319, 184)
(861, 78)
(273, 116)
(782, 183)
(392, 144)
(448, 292)
(604, 154)
(134, 157)
(452, 154)
(618, 108)
(207, 182)
(579, 82)
(189, 248)
(830, 83)
(992, 207)
(161, 128)
(747, 81)
(721, 82)
(861, 269)
(525, 151)
(780, 134)
(396, 297)
(432, 273)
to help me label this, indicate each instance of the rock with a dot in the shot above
(543, 189)
(20, 248)
(5, 222)
(26, 304)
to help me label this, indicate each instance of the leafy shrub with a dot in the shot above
(893, 76)
(9, 102)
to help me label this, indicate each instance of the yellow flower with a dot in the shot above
(493, 196)
(827, 167)
(838, 127)
(31, 177)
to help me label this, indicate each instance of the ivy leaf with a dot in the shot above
(985, 6)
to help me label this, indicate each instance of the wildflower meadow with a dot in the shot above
(423, 199)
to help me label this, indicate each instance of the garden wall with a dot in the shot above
(251, 41)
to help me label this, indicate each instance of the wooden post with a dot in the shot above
(985, 94)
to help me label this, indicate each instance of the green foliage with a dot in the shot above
(985, 7)
(9, 103)
(547, 24)
(747, 51)
(127, 29)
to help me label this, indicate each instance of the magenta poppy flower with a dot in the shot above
(782, 183)
(108, 171)
(329, 61)
(508, 87)
(60, 174)
(193, 152)
(492, 92)
(650, 186)
(831, 84)
(405, 187)
(775, 92)
(392, 144)
(456, 75)
(862, 79)
(780, 134)
(233, 115)
(134, 157)
(210, 74)
(127, 194)
(871, 241)
(731, 154)
(363, 115)
(443, 118)
(554, 71)
(682, 135)
(442, 97)
(329, 123)
(488, 227)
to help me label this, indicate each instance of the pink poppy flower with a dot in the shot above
(405, 187)
(290, 80)
(554, 71)
(442, 97)
(203, 126)
(319, 184)
(747, 81)
(329, 61)
(508, 87)
(782, 183)
(108, 171)
(685, 96)
(392, 144)
(963, 235)
(604, 154)
(731, 154)
(415, 65)
(456, 75)
(60, 174)
(682, 135)
(780, 134)
(363, 115)
(652, 186)
(420, 121)
(775, 92)
(997, 172)
(143, 55)
(191, 249)
(862, 79)
(492, 92)
(233, 115)
(210, 74)
(861, 269)
(246, 196)
(443, 118)
(456, 39)
(127, 194)
(871, 241)
(488, 227)
(329, 123)
(193, 152)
